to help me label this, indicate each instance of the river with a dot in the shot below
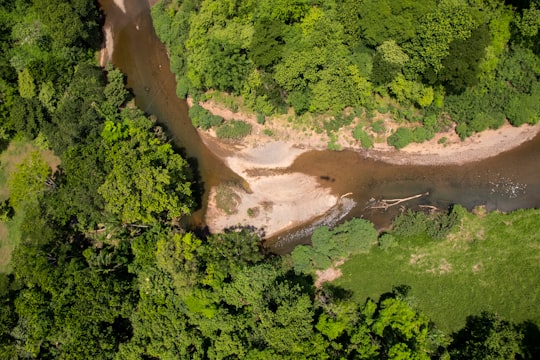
(506, 182)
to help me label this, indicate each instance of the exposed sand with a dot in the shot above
(328, 275)
(283, 200)
(275, 200)
(480, 146)
(107, 48)
(454, 151)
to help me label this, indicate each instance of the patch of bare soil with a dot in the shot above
(329, 274)
(477, 267)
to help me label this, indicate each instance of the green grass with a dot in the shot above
(15, 153)
(227, 199)
(233, 130)
(490, 263)
(9, 238)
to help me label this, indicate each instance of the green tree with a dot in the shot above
(77, 118)
(115, 92)
(437, 29)
(27, 88)
(487, 336)
(28, 181)
(146, 179)
(401, 20)
(388, 61)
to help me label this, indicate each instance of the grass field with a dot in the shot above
(491, 262)
(15, 153)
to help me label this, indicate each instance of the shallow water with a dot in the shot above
(506, 182)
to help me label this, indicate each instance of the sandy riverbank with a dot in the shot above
(273, 199)
(478, 147)
(453, 150)
(296, 198)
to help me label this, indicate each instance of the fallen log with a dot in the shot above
(430, 207)
(386, 203)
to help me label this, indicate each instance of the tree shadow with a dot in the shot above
(531, 340)
(398, 292)
(490, 335)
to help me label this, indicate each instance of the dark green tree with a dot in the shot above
(487, 336)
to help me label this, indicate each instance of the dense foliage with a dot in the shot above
(104, 269)
(475, 60)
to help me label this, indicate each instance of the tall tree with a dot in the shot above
(146, 181)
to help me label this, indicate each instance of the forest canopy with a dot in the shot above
(475, 60)
(104, 267)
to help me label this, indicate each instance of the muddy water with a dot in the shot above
(506, 182)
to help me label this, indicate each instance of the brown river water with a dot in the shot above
(506, 182)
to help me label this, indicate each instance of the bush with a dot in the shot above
(401, 138)
(351, 237)
(523, 109)
(337, 122)
(200, 117)
(436, 226)
(333, 143)
(378, 127)
(360, 135)
(410, 224)
(233, 130)
(386, 241)
(443, 224)
(261, 119)
(421, 134)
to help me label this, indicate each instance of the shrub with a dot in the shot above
(401, 138)
(378, 127)
(200, 117)
(351, 237)
(386, 241)
(442, 224)
(421, 134)
(233, 130)
(410, 224)
(227, 199)
(261, 119)
(333, 144)
(436, 226)
(360, 135)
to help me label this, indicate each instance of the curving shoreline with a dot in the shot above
(275, 199)
(453, 151)
(262, 162)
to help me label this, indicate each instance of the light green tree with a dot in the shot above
(28, 180)
(27, 87)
